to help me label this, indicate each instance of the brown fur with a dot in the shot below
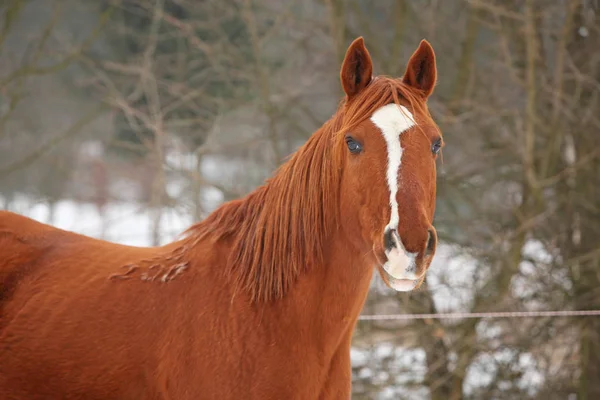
(258, 301)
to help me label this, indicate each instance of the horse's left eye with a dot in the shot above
(436, 146)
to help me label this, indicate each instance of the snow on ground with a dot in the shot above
(408, 367)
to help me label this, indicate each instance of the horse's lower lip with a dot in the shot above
(400, 285)
(403, 285)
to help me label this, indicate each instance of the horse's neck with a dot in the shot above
(329, 297)
(317, 313)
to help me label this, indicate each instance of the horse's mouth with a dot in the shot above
(397, 284)
(400, 285)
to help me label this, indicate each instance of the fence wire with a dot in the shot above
(459, 315)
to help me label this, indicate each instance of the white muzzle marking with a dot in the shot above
(401, 267)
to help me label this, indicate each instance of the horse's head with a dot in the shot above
(388, 147)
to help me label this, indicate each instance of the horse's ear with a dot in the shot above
(357, 68)
(421, 72)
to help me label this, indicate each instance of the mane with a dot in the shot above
(281, 228)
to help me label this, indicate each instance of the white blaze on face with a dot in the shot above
(393, 120)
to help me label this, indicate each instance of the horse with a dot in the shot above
(257, 301)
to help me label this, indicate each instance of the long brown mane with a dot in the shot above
(281, 228)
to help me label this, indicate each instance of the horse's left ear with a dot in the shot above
(357, 68)
(421, 72)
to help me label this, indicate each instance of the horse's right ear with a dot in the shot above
(357, 68)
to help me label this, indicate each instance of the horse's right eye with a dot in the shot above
(354, 146)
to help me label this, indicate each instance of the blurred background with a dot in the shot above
(128, 120)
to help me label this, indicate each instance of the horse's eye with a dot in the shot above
(436, 146)
(353, 145)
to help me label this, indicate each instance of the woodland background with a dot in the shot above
(130, 119)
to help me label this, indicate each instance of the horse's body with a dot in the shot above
(188, 337)
(258, 301)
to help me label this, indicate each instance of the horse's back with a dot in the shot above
(63, 322)
(22, 226)
(30, 247)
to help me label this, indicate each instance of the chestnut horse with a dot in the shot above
(259, 300)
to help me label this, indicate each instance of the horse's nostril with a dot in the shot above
(431, 242)
(391, 240)
(388, 239)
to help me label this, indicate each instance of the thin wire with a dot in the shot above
(506, 314)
